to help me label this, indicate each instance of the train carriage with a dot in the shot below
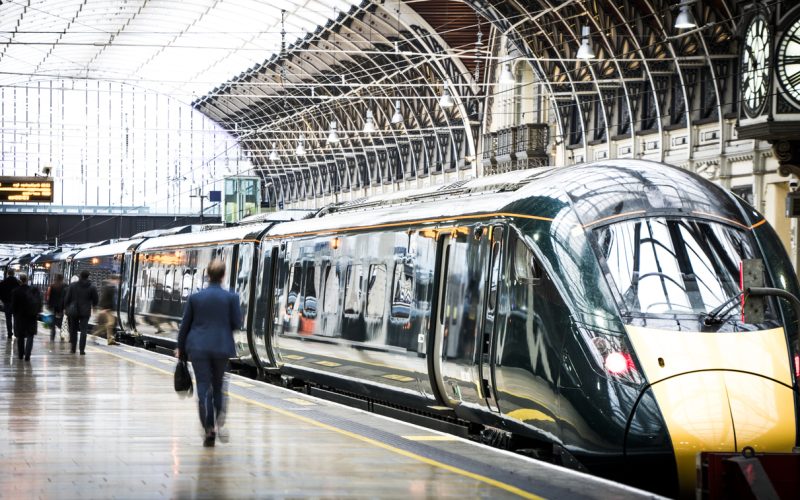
(102, 262)
(170, 268)
(566, 306)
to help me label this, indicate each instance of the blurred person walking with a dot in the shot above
(206, 337)
(54, 299)
(106, 320)
(26, 303)
(7, 287)
(81, 297)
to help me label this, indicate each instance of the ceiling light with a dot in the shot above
(273, 155)
(685, 19)
(333, 137)
(446, 101)
(369, 123)
(397, 117)
(506, 76)
(585, 50)
(301, 149)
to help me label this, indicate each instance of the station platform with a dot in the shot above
(109, 425)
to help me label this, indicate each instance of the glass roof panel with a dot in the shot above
(183, 48)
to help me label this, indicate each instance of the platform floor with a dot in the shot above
(109, 425)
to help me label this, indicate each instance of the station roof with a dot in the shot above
(182, 48)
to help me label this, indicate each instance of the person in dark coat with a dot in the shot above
(55, 301)
(206, 336)
(81, 297)
(26, 303)
(7, 287)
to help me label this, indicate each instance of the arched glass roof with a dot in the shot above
(183, 48)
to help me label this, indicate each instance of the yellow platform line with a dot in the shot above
(414, 456)
(241, 384)
(430, 438)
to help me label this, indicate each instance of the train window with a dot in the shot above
(526, 269)
(331, 299)
(310, 290)
(376, 291)
(403, 290)
(673, 266)
(494, 278)
(295, 278)
(352, 290)
(186, 286)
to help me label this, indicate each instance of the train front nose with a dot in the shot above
(723, 411)
(719, 392)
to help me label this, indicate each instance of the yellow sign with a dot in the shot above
(26, 189)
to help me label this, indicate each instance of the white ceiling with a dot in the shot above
(183, 48)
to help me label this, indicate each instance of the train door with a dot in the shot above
(440, 323)
(260, 335)
(127, 283)
(496, 244)
(461, 284)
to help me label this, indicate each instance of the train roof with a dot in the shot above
(107, 249)
(225, 235)
(597, 192)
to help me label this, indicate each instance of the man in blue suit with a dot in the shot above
(206, 335)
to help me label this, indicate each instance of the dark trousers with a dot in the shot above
(81, 324)
(9, 319)
(210, 375)
(58, 319)
(25, 346)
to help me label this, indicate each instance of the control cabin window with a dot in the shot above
(674, 266)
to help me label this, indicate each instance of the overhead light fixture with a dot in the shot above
(397, 117)
(506, 76)
(685, 19)
(301, 149)
(369, 123)
(446, 101)
(585, 50)
(273, 155)
(333, 137)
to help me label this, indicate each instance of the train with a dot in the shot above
(597, 315)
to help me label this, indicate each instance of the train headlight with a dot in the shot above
(612, 355)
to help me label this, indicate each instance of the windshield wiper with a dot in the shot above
(714, 317)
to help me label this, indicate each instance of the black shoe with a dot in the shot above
(208, 442)
(83, 353)
(72, 351)
(27, 358)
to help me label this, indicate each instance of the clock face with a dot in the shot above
(788, 63)
(755, 66)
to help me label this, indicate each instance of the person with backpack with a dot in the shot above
(26, 304)
(55, 301)
(81, 297)
(7, 287)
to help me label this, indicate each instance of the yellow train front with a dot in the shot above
(645, 259)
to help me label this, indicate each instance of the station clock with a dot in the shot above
(787, 62)
(755, 66)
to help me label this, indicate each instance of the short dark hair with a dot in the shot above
(10, 272)
(84, 274)
(23, 278)
(215, 271)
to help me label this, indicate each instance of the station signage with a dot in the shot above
(26, 189)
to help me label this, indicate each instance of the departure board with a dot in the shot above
(26, 189)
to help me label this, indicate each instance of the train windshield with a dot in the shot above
(672, 266)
